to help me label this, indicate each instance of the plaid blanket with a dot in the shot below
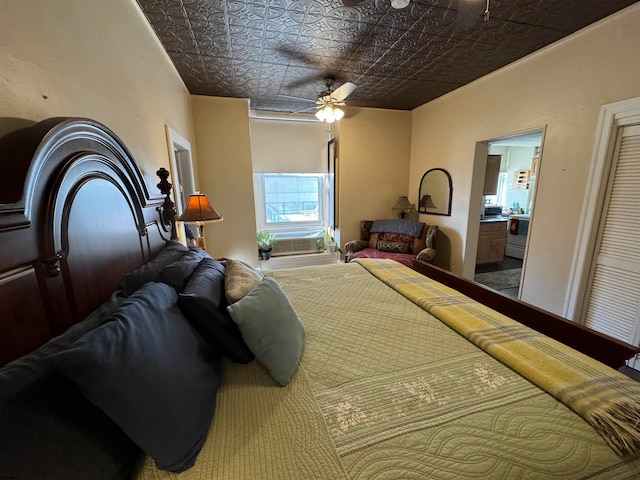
(395, 225)
(608, 400)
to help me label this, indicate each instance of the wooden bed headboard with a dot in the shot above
(75, 216)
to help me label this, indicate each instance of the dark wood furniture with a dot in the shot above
(608, 350)
(75, 216)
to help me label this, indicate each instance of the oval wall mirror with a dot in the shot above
(435, 192)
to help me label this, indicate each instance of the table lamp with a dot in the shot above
(403, 204)
(199, 211)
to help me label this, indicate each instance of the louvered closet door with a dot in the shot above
(612, 303)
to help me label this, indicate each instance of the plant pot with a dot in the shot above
(265, 254)
(331, 247)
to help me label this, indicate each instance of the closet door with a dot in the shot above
(612, 301)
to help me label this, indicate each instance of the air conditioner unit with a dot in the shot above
(295, 261)
(294, 246)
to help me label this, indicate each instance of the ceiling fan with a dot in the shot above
(470, 10)
(467, 9)
(329, 101)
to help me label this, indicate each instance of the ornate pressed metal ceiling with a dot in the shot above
(398, 58)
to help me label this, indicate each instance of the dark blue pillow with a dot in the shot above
(152, 373)
(204, 304)
(148, 272)
(178, 273)
(48, 429)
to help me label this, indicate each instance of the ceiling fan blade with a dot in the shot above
(292, 54)
(297, 98)
(303, 110)
(470, 12)
(343, 91)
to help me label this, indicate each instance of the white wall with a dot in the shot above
(561, 87)
(95, 59)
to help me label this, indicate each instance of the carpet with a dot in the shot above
(500, 279)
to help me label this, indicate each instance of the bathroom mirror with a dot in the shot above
(435, 192)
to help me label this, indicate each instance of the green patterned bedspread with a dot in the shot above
(386, 391)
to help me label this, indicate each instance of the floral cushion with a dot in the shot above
(365, 229)
(394, 247)
(404, 258)
(385, 239)
(395, 237)
(401, 247)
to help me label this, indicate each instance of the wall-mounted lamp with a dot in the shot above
(403, 204)
(199, 211)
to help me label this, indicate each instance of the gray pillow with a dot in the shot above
(239, 280)
(152, 373)
(271, 329)
(148, 272)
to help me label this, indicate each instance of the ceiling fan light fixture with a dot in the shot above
(323, 114)
(329, 114)
(399, 4)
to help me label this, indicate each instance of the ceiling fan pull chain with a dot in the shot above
(485, 14)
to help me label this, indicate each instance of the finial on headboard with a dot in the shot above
(168, 207)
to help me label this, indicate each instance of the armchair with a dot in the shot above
(400, 240)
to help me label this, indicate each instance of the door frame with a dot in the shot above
(182, 174)
(612, 117)
(475, 199)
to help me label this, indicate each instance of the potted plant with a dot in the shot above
(266, 241)
(330, 243)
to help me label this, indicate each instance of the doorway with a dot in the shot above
(182, 175)
(507, 210)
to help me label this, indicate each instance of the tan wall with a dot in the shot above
(92, 59)
(562, 88)
(373, 166)
(225, 171)
(374, 151)
(285, 146)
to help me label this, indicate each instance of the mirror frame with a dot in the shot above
(435, 211)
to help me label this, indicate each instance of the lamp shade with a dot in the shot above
(427, 202)
(402, 203)
(199, 210)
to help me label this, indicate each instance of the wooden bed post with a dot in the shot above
(168, 207)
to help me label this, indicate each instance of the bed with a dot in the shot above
(378, 371)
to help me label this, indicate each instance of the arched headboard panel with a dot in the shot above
(73, 221)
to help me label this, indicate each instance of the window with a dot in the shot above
(291, 202)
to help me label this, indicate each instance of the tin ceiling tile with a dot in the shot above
(398, 58)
